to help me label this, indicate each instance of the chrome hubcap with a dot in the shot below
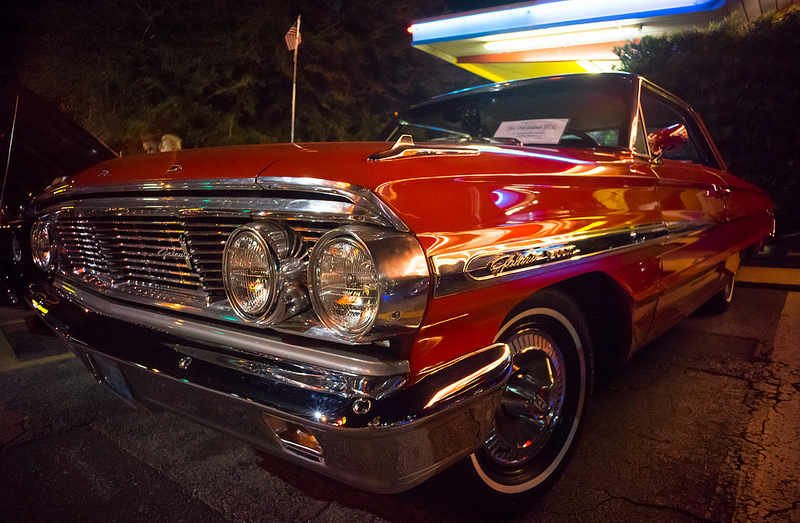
(729, 290)
(532, 403)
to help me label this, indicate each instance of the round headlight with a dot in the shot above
(42, 247)
(249, 270)
(344, 284)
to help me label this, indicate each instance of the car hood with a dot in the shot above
(351, 163)
(429, 187)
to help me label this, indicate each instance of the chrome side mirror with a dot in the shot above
(662, 140)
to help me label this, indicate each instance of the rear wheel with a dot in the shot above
(543, 404)
(721, 301)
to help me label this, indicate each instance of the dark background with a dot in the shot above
(218, 72)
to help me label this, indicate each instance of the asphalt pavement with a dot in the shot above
(701, 425)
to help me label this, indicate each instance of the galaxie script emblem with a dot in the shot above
(183, 253)
(493, 265)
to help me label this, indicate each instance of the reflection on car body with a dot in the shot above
(381, 311)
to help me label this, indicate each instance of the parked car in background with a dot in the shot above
(38, 145)
(378, 312)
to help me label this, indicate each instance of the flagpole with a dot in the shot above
(294, 77)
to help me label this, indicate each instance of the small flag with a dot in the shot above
(293, 38)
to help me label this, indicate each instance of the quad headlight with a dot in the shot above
(367, 283)
(260, 272)
(43, 248)
(344, 283)
(364, 283)
(250, 272)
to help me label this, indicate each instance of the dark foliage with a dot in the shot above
(218, 72)
(743, 79)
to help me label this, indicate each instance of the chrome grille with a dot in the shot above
(130, 241)
(169, 256)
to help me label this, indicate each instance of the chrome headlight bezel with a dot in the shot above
(282, 258)
(351, 246)
(43, 248)
(403, 281)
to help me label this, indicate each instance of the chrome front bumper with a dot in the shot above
(385, 437)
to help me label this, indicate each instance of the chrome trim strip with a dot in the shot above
(223, 184)
(372, 209)
(225, 206)
(360, 196)
(475, 269)
(558, 249)
(236, 340)
(688, 227)
(302, 375)
(578, 243)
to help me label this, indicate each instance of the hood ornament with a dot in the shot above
(404, 147)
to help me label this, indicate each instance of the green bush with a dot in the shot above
(744, 80)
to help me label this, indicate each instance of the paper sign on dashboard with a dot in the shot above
(546, 131)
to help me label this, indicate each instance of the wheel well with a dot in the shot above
(605, 306)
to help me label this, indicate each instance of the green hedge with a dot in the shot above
(744, 79)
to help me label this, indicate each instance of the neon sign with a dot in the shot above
(551, 14)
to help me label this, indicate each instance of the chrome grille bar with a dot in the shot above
(161, 252)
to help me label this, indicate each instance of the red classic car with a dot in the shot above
(380, 311)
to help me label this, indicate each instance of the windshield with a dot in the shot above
(587, 111)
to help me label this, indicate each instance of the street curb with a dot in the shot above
(769, 286)
(769, 278)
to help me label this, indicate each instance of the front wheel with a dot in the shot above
(543, 404)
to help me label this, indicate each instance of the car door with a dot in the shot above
(691, 194)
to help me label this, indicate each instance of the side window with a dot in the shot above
(658, 115)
